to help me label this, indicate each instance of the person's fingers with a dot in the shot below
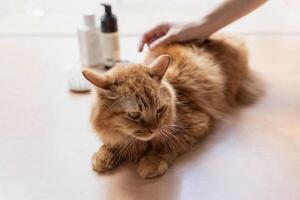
(166, 39)
(151, 41)
(142, 44)
(147, 37)
(152, 34)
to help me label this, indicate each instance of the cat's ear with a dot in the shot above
(160, 65)
(95, 78)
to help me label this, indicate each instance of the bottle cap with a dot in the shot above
(89, 19)
(108, 20)
(107, 8)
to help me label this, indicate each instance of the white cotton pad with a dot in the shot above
(76, 81)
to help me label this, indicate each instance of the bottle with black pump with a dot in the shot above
(109, 37)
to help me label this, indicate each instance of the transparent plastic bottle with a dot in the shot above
(89, 36)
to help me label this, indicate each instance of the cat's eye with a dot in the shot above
(161, 110)
(134, 115)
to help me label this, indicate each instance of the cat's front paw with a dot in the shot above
(152, 166)
(104, 160)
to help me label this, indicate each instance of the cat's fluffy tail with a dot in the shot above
(251, 90)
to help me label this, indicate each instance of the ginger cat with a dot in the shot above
(151, 113)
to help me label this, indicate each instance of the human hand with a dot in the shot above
(224, 14)
(167, 33)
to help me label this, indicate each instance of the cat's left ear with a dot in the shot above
(159, 66)
(95, 78)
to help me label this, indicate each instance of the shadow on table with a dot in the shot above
(125, 183)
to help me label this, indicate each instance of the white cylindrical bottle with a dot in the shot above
(109, 37)
(89, 37)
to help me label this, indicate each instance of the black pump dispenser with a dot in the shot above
(108, 20)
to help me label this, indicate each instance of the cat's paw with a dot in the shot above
(103, 160)
(152, 166)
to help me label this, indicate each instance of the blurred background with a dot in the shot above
(61, 17)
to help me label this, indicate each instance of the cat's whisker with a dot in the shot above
(181, 128)
(188, 127)
(116, 157)
(127, 149)
(169, 141)
(184, 140)
(177, 140)
(187, 133)
(121, 153)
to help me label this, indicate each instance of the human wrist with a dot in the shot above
(190, 31)
(205, 27)
(198, 30)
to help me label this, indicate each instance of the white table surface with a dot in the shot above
(46, 141)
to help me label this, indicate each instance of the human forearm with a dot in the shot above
(225, 14)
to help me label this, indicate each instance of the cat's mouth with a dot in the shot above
(144, 136)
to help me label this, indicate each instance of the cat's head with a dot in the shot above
(134, 99)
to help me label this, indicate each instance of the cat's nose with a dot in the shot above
(150, 125)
